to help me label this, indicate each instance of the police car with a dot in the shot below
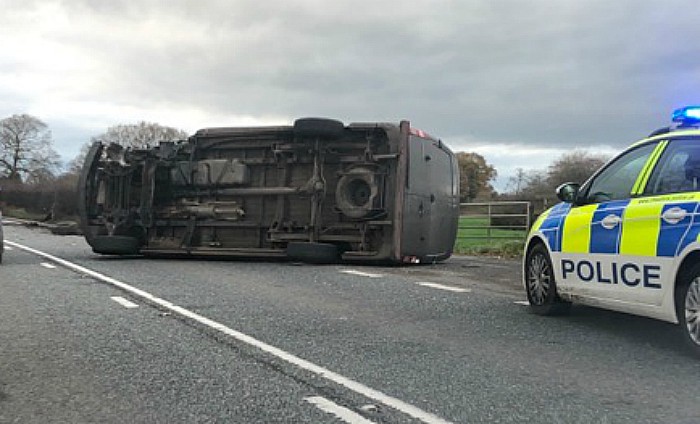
(628, 239)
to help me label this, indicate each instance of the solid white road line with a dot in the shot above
(361, 274)
(522, 302)
(47, 265)
(341, 412)
(443, 287)
(124, 302)
(353, 385)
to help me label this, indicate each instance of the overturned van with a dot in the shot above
(317, 191)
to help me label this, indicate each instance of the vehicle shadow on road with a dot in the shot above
(630, 328)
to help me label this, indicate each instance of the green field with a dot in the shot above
(474, 237)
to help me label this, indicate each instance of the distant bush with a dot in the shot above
(510, 222)
(504, 249)
(54, 199)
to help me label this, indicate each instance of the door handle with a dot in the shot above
(674, 215)
(610, 221)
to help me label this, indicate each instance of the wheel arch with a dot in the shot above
(533, 241)
(537, 238)
(690, 260)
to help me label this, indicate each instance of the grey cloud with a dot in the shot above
(533, 72)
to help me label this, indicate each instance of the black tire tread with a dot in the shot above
(318, 127)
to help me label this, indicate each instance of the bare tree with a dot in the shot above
(575, 166)
(139, 135)
(517, 182)
(26, 151)
(76, 164)
(538, 186)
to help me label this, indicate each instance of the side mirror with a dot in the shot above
(568, 192)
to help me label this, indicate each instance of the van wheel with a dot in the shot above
(688, 308)
(115, 245)
(541, 287)
(318, 127)
(313, 253)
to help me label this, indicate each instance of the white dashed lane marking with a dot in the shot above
(522, 302)
(355, 386)
(443, 287)
(361, 274)
(47, 265)
(125, 303)
(340, 412)
(420, 283)
(8, 248)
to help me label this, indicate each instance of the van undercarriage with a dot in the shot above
(317, 191)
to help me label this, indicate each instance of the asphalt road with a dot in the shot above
(261, 342)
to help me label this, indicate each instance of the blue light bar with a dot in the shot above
(687, 115)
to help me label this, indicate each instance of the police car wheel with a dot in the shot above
(540, 285)
(689, 311)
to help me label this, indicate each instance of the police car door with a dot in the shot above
(664, 217)
(590, 263)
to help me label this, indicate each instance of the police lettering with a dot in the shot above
(629, 274)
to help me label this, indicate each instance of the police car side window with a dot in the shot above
(616, 181)
(678, 169)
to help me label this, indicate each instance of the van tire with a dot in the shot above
(313, 253)
(318, 127)
(115, 245)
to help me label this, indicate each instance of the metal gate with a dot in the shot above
(491, 221)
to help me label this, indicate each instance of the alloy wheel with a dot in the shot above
(539, 278)
(692, 310)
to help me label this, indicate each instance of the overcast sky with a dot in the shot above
(518, 81)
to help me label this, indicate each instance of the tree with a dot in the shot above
(539, 186)
(575, 166)
(75, 165)
(517, 182)
(26, 150)
(139, 135)
(475, 176)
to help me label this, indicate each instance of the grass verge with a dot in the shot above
(21, 213)
(476, 238)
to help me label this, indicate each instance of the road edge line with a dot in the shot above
(322, 372)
